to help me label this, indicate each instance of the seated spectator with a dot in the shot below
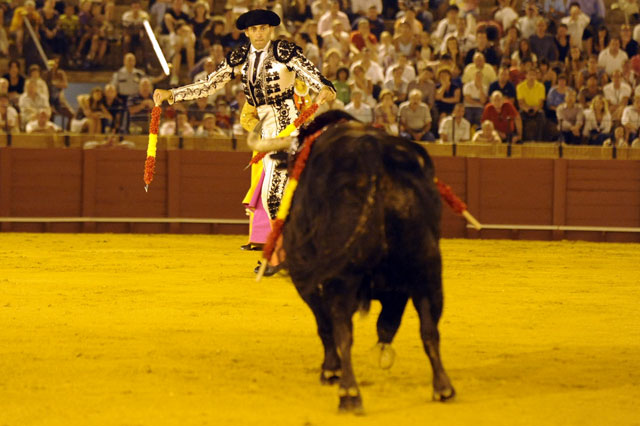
(479, 65)
(408, 71)
(69, 24)
(360, 81)
(372, 70)
(183, 39)
(426, 85)
(332, 61)
(631, 119)
(310, 50)
(133, 28)
(518, 73)
(51, 38)
(93, 24)
(543, 45)
(523, 52)
(386, 50)
(358, 108)
(576, 23)
(592, 68)
(487, 134)
(325, 23)
(504, 116)
(619, 139)
(139, 107)
(9, 118)
(31, 101)
(4, 40)
(376, 23)
(424, 50)
(216, 55)
(415, 118)
(41, 123)
(34, 74)
(475, 95)
(341, 84)
(405, 41)
(556, 96)
(17, 23)
(408, 16)
(617, 93)
(363, 37)
(208, 127)
(452, 48)
(570, 119)
(531, 96)
(455, 128)
(56, 80)
(448, 25)
(200, 23)
(599, 42)
(179, 126)
(490, 54)
(386, 113)
(574, 64)
(590, 91)
(327, 106)
(505, 14)
(448, 93)
(510, 43)
(112, 122)
(546, 75)
(503, 85)
(337, 38)
(628, 44)
(16, 81)
(127, 79)
(562, 42)
(197, 110)
(234, 39)
(396, 85)
(612, 58)
(597, 121)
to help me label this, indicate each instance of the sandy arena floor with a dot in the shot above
(174, 330)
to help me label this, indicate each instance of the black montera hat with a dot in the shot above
(257, 17)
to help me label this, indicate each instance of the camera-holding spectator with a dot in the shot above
(358, 108)
(617, 93)
(487, 134)
(415, 118)
(570, 119)
(455, 128)
(396, 85)
(504, 116)
(597, 121)
(31, 101)
(631, 119)
(16, 81)
(133, 26)
(386, 113)
(179, 126)
(531, 96)
(17, 28)
(612, 58)
(475, 95)
(9, 118)
(112, 123)
(504, 85)
(448, 93)
(140, 106)
(41, 123)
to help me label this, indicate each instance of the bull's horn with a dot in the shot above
(266, 145)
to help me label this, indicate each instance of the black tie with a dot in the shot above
(256, 62)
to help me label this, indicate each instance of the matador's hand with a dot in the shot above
(160, 95)
(325, 95)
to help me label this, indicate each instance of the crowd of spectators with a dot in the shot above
(519, 70)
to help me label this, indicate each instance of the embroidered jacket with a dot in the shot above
(273, 84)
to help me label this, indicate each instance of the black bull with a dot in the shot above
(365, 224)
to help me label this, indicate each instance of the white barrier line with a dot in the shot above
(123, 220)
(156, 47)
(558, 228)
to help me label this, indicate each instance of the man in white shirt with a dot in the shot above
(617, 94)
(360, 110)
(576, 23)
(41, 123)
(455, 128)
(527, 24)
(326, 21)
(612, 58)
(360, 7)
(475, 95)
(30, 102)
(408, 71)
(631, 118)
(505, 14)
(449, 24)
(479, 65)
(373, 70)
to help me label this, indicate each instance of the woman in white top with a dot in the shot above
(597, 121)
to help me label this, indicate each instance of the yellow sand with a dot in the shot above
(173, 330)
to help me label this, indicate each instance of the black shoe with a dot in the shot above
(251, 247)
(269, 270)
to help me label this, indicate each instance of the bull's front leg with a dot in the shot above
(331, 371)
(343, 304)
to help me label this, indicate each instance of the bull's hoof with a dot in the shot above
(330, 377)
(386, 355)
(444, 394)
(351, 404)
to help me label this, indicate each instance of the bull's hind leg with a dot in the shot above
(330, 373)
(393, 305)
(341, 298)
(427, 300)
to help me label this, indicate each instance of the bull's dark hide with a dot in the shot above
(365, 223)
